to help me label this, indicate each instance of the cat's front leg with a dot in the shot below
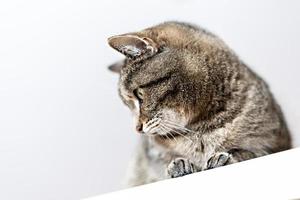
(232, 156)
(217, 160)
(180, 167)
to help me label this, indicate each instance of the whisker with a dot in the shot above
(179, 126)
(161, 134)
(185, 130)
(174, 130)
(173, 136)
(179, 129)
(188, 148)
(167, 132)
(152, 124)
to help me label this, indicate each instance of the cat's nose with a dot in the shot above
(139, 128)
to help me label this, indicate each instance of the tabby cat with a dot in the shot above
(196, 105)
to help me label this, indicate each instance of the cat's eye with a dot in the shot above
(139, 94)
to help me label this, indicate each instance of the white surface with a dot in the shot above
(271, 177)
(64, 132)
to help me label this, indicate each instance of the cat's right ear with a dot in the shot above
(116, 67)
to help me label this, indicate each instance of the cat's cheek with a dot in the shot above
(174, 117)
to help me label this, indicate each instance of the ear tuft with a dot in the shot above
(133, 46)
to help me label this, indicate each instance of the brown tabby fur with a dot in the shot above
(198, 106)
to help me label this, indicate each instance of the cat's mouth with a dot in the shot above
(169, 135)
(152, 127)
(162, 134)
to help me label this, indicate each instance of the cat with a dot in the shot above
(196, 105)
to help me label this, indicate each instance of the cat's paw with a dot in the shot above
(218, 160)
(180, 167)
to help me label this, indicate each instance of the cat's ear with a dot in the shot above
(116, 67)
(133, 46)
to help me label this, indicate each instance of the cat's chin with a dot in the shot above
(154, 134)
(151, 134)
(164, 136)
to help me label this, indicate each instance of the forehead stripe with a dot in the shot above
(156, 81)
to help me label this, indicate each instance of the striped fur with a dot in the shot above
(196, 105)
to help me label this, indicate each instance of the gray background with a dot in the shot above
(64, 133)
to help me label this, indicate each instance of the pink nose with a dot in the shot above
(139, 128)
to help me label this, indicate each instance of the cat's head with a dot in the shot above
(164, 77)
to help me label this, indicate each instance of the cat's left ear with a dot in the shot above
(133, 46)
